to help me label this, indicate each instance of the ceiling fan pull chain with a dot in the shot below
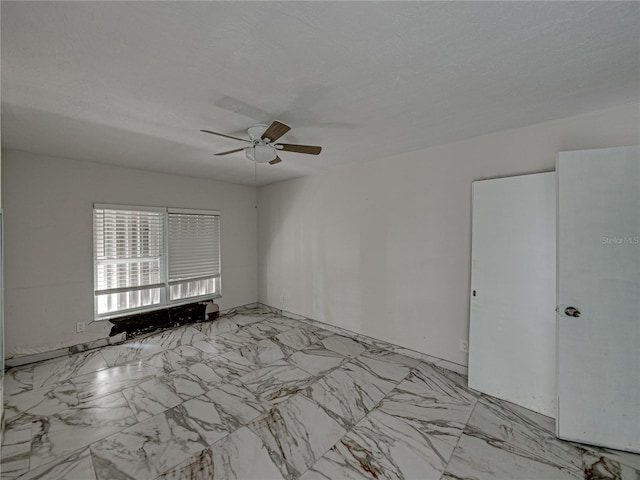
(255, 180)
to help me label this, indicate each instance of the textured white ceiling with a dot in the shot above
(132, 83)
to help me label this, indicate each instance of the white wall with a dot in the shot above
(383, 248)
(49, 246)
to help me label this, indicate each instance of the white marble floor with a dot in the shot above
(255, 395)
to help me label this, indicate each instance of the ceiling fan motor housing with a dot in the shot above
(255, 132)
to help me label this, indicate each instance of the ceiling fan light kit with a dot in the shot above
(263, 148)
(260, 153)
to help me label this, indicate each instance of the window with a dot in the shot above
(145, 258)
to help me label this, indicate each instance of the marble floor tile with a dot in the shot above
(18, 380)
(453, 367)
(597, 467)
(348, 393)
(434, 414)
(59, 370)
(390, 356)
(171, 360)
(427, 377)
(244, 319)
(392, 369)
(259, 354)
(629, 473)
(175, 337)
(229, 369)
(73, 429)
(157, 394)
(41, 402)
(255, 395)
(297, 338)
(150, 398)
(129, 352)
(346, 346)
(110, 380)
(226, 343)
(238, 456)
(222, 411)
(296, 433)
(277, 382)
(384, 446)
(199, 467)
(147, 449)
(285, 321)
(15, 450)
(502, 440)
(317, 359)
(631, 460)
(217, 327)
(317, 329)
(76, 466)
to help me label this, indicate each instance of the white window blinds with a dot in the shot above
(194, 254)
(129, 255)
(148, 257)
(194, 249)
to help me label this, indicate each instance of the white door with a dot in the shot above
(512, 333)
(599, 297)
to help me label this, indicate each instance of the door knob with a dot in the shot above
(572, 312)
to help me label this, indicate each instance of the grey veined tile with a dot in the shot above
(243, 319)
(344, 345)
(427, 377)
(217, 327)
(199, 467)
(238, 456)
(277, 382)
(505, 441)
(285, 321)
(145, 450)
(296, 433)
(16, 449)
(298, 338)
(626, 459)
(600, 467)
(18, 380)
(129, 352)
(348, 393)
(317, 359)
(221, 411)
(257, 354)
(59, 370)
(75, 466)
(157, 394)
(184, 356)
(73, 429)
(110, 380)
(175, 337)
(41, 402)
(384, 446)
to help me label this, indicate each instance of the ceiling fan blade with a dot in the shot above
(275, 131)
(308, 149)
(230, 151)
(275, 160)
(226, 136)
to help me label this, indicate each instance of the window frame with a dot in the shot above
(165, 284)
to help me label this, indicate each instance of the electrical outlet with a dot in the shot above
(463, 345)
(80, 327)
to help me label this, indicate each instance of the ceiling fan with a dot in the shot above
(262, 148)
